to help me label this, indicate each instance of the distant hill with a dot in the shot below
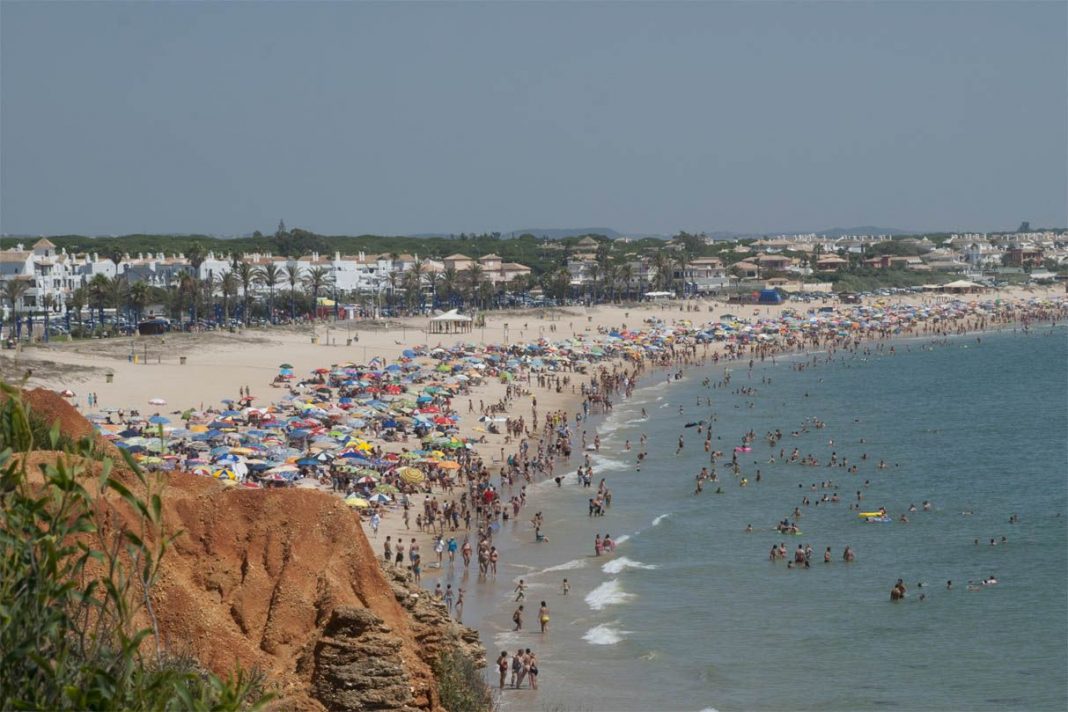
(558, 233)
(863, 230)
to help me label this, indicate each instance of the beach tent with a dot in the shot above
(450, 322)
(961, 286)
(770, 296)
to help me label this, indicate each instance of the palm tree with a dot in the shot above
(315, 280)
(292, 274)
(432, 278)
(662, 266)
(14, 289)
(117, 294)
(449, 283)
(679, 260)
(486, 292)
(78, 299)
(137, 299)
(195, 255)
(269, 275)
(228, 284)
(246, 274)
(188, 285)
(473, 278)
(625, 273)
(412, 283)
(99, 291)
(611, 280)
(48, 302)
(594, 272)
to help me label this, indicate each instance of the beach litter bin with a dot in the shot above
(348, 342)
(109, 377)
(181, 360)
(315, 339)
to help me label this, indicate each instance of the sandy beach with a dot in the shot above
(200, 370)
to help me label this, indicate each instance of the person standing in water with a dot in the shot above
(543, 617)
(502, 666)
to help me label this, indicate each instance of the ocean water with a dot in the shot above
(690, 614)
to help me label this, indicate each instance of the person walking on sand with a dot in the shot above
(375, 521)
(543, 618)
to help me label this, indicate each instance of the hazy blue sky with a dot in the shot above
(408, 117)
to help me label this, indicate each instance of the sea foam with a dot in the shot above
(604, 634)
(608, 593)
(566, 566)
(661, 518)
(617, 565)
(601, 463)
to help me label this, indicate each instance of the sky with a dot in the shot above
(401, 118)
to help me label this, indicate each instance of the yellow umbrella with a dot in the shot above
(411, 475)
(357, 502)
(449, 465)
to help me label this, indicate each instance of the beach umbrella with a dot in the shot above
(157, 401)
(387, 489)
(380, 498)
(411, 475)
(286, 365)
(158, 420)
(357, 502)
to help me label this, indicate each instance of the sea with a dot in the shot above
(689, 613)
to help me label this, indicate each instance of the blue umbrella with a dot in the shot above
(158, 420)
(408, 353)
(308, 462)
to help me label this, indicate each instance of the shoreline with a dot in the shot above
(479, 604)
(608, 634)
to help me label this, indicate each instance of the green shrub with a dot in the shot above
(70, 589)
(461, 685)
